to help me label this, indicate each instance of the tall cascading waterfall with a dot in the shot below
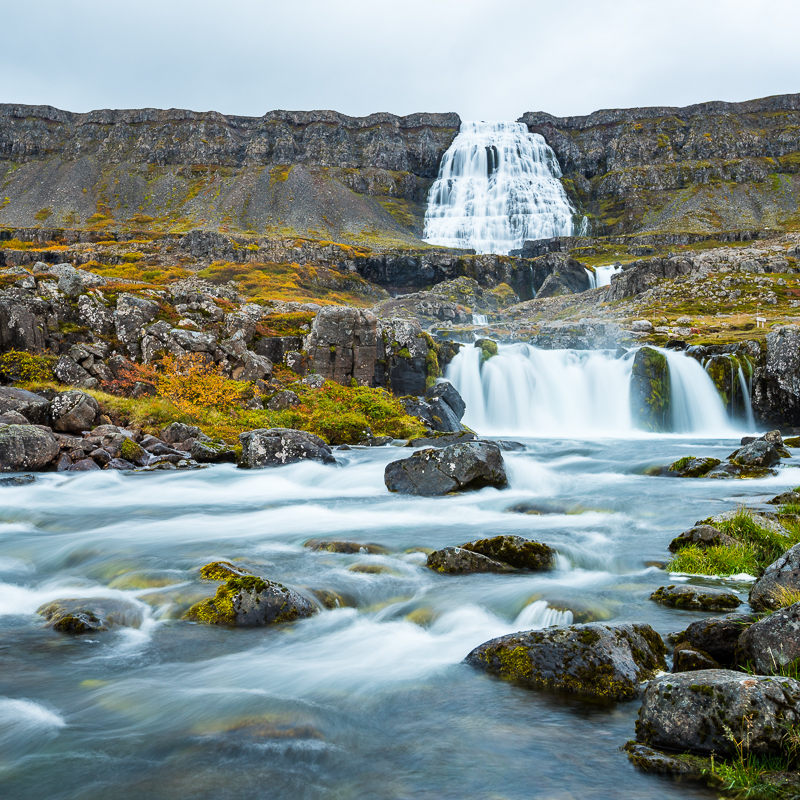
(498, 185)
(572, 393)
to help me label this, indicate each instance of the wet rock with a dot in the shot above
(718, 636)
(33, 407)
(649, 760)
(249, 601)
(208, 451)
(771, 643)
(282, 401)
(18, 480)
(274, 447)
(119, 463)
(516, 551)
(488, 348)
(84, 465)
(760, 454)
(457, 561)
(222, 571)
(134, 453)
(449, 394)
(650, 390)
(376, 441)
(594, 659)
(701, 536)
(694, 598)
(91, 614)
(691, 467)
(705, 711)
(443, 418)
(26, 447)
(688, 659)
(782, 576)
(787, 498)
(74, 411)
(444, 440)
(63, 463)
(350, 548)
(433, 472)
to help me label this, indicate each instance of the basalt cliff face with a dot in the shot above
(704, 168)
(313, 173)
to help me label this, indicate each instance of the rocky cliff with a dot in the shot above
(315, 173)
(703, 168)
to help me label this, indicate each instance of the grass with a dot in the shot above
(756, 548)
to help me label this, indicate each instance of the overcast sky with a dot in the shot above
(484, 60)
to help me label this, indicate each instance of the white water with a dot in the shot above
(498, 185)
(479, 319)
(525, 391)
(602, 276)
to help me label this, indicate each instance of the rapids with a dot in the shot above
(498, 185)
(369, 700)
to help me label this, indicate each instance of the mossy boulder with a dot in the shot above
(89, 615)
(594, 660)
(711, 710)
(222, 571)
(759, 454)
(250, 601)
(773, 643)
(457, 561)
(648, 759)
(717, 636)
(133, 453)
(702, 536)
(694, 598)
(650, 391)
(691, 467)
(516, 551)
(488, 348)
(349, 548)
(782, 575)
(689, 659)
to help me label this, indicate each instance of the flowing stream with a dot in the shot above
(498, 185)
(369, 700)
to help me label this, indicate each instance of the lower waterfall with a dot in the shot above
(573, 393)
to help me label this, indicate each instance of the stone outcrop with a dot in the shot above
(275, 447)
(593, 659)
(432, 472)
(26, 447)
(781, 576)
(650, 390)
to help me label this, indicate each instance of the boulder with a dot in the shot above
(649, 760)
(760, 454)
(208, 451)
(91, 614)
(457, 561)
(650, 390)
(782, 575)
(593, 659)
(132, 314)
(445, 440)
(74, 412)
(718, 636)
(222, 571)
(26, 447)
(689, 659)
(68, 371)
(787, 498)
(705, 711)
(12, 418)
(249, 601)
(432, 472)
(516, 551)
(20, 329)
(691, 467)
(642, 326)
(33, 407)
(274, 447)
(693, 598)
(283, 400)
(447, 392)
(702, 536)
(771, 643)
(350, 548)
(84, 465)
(119, 463)
(443, 418)
(178, 432)
(95, 315)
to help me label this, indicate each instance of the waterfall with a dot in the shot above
(749, 419)
(526, 391)
(602, 275)
(498, 185)
(479, 319)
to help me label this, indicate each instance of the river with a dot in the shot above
(365, 701)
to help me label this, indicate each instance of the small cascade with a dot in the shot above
(479, 319)
(498, 185)
(746, 388)
(602, 275)
(526, 391)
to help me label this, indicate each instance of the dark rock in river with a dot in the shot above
(447, 392)
(222, 570)
(24, 447)
(760, 454)
(18, 480)
(516, 551)
(250, 601)
(691, 467)
(596, 660)
(444, 440)
(650, 390)
(718, 636)
(91, 614)
(787, 498)
(649, 760)
(433, 472)
(782, 576)
(274, 447)
(456, 561)
(695, 599)
(771, 643)
(350, 548)
(705, 711)
(689, 659)
(208, 451)
(33, 407)
(701, 536)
